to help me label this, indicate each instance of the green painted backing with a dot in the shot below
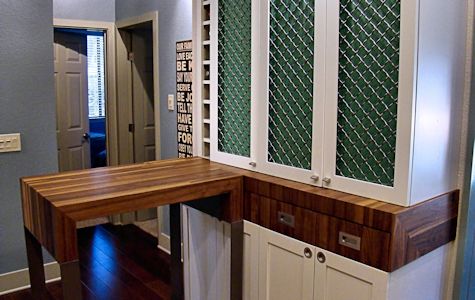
(234, 77)
(368, 90)
(291, 63)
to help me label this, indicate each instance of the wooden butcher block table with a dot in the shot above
(392, 236)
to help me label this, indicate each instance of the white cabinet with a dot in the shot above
(286, 267)
(358, 96)
(276, 267)
(290, 269)
(250, 284)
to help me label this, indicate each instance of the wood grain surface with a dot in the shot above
(392, 235)
(52, 204)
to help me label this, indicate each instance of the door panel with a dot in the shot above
(284, 271)
(143, 100)
(70, 72)
(339, 278)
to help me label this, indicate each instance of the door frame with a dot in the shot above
(153, 16)
(122, 24)
(110, 99)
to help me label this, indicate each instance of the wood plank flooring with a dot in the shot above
(117, 262)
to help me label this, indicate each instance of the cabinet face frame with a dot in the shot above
(399, 193)
(215, 154)
(263, 165)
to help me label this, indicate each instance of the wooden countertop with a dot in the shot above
(52, 204)
(55, 202)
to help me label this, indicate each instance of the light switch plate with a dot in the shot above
(171, 102)
(10, 142)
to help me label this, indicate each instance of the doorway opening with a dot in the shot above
(79, 68)
(137, 107)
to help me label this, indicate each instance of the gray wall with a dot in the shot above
(92, 10)
(175, 25)
(27, 105)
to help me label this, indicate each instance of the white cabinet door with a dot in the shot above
(291, 89)
(370, 85)
(284, 270)
(250, 282)
(339, 278)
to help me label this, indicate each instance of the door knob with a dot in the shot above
(327, 180)
(253, 164)
(314, 177)
(321, 257)
(86, 136)
(307, 252)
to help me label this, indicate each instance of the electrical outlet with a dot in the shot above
(10, 142)
(171, 102)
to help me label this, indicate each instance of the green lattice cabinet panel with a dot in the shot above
(234, 77)
(291, 63)
(368, 89)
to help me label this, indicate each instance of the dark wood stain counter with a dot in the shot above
(391, 235)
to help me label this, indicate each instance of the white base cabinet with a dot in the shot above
(279, 267)
(291, 269)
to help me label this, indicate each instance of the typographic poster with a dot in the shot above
(184, 98)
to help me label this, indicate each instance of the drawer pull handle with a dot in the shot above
(286, 219)
(307, 252)
(321, 257)
(349, 240)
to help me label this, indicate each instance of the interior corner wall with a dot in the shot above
(27, 106)
(175, 25)
(91, 10)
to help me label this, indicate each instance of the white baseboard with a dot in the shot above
(20, 280)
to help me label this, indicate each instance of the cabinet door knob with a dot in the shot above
(314, 177)
(307, 252)
(252, 164)
(321, 257)
(327, 180)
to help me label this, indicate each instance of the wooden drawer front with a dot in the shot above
(320, 230)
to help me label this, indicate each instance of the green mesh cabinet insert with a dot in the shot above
(368, 90)
(234, 77)
(291, 63)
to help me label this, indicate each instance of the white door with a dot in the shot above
(70, 72)
(339, 278)
(286, 267)
(250, 283)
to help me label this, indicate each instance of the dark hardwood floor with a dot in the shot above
(117, 262)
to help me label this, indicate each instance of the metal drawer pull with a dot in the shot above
(307, 252)
(321, 257)
(349, 240)
(286, 219)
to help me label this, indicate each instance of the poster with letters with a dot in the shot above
(184, 98)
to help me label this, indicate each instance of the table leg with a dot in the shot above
(35, 266)
(237, 252)
(71, 280)
(176, 270)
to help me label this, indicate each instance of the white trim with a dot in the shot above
(399, 194)
(154, 18)
(111, 100)
(20, 279)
